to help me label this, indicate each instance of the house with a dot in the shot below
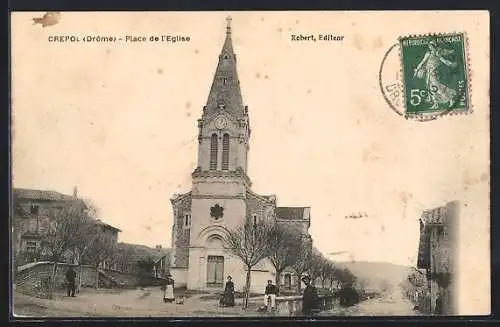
(31, 218)
(137, 258)
(436, 254)
(221, 197)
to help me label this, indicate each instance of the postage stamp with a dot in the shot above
(435, 74)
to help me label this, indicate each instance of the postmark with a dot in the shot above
(390, 81)
(425, 77)
(435, 74)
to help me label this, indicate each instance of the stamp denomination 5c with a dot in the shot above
(435, 74)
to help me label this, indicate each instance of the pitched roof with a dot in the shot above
(225, 90)
(44, 195)
(291, 213)
(138, 252)
(101, 223)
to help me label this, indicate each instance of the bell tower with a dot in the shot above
(223, 129)
(220, 181)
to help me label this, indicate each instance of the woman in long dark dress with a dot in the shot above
(229, 293)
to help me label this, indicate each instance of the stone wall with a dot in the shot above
(34, 279)
(255, 206)
(181, 233)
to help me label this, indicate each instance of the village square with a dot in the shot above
(232, 252)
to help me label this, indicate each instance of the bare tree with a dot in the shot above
(317, 261)
(65, 226)
(343, 276)
(101, 250)
(122, 258)
(250, 243)
(325, 271)
(85, 239)
(282, 249)
(330, 272)
(303, 253)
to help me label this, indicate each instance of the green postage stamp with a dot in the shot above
(435, 74)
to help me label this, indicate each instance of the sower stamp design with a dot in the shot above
(434, 75)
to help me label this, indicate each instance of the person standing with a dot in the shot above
(270, 294)
(309, 297)
(438, 309)
(70, 279)
(168, 296)
(229, 293)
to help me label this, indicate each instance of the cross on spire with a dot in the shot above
(228, 27)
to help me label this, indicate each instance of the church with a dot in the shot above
(221, 197)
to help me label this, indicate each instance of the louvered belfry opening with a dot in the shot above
(225, 152)
(213, 152)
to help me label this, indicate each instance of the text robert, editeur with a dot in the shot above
(314, 38)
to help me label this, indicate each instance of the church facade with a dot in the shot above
(221, 198)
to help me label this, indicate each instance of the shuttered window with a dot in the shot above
(225, 152)
(31, 247)
(213, 152)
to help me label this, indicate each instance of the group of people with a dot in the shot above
(309, 297)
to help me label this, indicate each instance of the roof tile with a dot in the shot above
(41, 195)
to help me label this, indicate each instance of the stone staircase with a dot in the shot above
(108, 281)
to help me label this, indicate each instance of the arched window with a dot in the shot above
(213, 152)
(225, 152)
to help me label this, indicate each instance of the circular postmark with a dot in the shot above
(392, 87)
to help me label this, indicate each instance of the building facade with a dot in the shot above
(437, 253)
(31, 218)
(221, 198)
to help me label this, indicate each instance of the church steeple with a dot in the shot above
(225, 92)
(224, 128)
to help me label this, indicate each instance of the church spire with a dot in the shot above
(228, 44)
(225, 92)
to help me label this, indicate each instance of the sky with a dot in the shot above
(120, 122)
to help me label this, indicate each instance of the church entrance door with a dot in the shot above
(215, 270)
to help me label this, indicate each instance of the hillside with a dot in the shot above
(378, 275)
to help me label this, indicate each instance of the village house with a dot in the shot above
(436, 255)
(142, 259)
(31, 214)
(221, 197)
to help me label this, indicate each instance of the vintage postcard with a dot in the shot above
(228, 164)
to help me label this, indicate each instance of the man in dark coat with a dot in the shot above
(309, 297)
(71, 278)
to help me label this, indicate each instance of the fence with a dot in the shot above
(292, 305)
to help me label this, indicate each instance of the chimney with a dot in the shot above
(158, 247)
(75, 191)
